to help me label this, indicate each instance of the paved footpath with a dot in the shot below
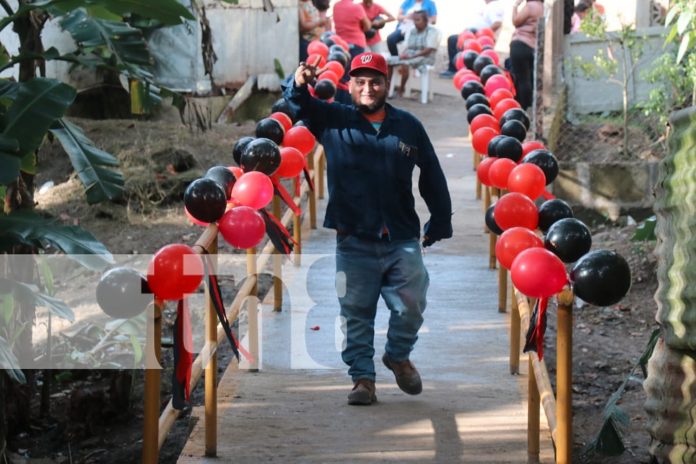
(471, 410)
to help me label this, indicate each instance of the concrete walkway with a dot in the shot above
(471, 410)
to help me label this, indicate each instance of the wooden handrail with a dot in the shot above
(156, 430)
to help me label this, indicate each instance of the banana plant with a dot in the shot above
(34, 107)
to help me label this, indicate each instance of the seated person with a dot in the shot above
(421, 47)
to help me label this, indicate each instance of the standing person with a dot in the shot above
(312, 25)
(490, 16)
(378, 17)
(351, 22)
(421, 45)
(405, 18)
(372, 149)
(578, 15)
(523, 46)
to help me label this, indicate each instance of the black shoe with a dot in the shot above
(407, 377)
(363, 393)
(447, 74)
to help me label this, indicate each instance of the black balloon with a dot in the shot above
(205, 200)
(476, 110)
(261, 155)
(546, 161)
(490, 221)
(481, 62)
(488, 71)
(340, 57)
(476, 99)
(281, 105)
(123, 293)
(487, 47)
(325, 89)
(239, 147)
(569, 239)
(326, 35)
(493, 145)
(601, 278)
(509, 147)
(469, 59)
(471, 87)
(224, 178)
(517, 114)
(271, 129)
(514, 129)
(551, 211)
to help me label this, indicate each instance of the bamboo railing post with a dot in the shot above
(151, 399)
(502, 289)
(321, 162)
(492, 239)
(252, 311)
(564, 372)
(277, 265)
(477, 161)
(515, 330)
(312, 195)
(532, 416)
(211, 322)
(297, 226)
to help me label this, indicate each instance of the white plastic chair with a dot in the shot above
(422, 73)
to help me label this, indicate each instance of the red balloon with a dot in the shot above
(316, 56)
(492, 55)
(495, 82)
(512, 242)
(283, 119)
(459, 83)
(483, 170)
(516, 210)
(317, 47)
(242, 227)
(330, 75)
(459, 61)
(531, 146)
(301, 138)
(472, 44)
(236, 171)
(485, 31)
(503, 105)
(338, 40)
(175, 270)
(527, 179)
(538, 273)
(292, 162)
(481, 138)
(466, 35)
(500, 171)
(253, 189)
(484, 120)
(336, 67)
(499, 95)
(485, 40)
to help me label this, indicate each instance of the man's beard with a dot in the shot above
(373, 108)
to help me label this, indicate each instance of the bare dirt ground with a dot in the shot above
(607, 342)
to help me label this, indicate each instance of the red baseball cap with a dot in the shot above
(369, 60)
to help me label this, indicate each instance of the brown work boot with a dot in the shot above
(363, 393)
(407, 377)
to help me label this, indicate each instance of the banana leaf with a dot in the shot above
(37, 104)
(90, 163)
(29, 228)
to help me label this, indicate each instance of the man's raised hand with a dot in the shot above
(306, 72)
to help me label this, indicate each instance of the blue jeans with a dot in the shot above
(364, 270)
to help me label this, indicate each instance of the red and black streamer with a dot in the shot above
(277, 233)
(183, 356)
(534, 341)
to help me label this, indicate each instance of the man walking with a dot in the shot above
(372, 149)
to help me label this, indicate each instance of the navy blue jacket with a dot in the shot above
(369, 172)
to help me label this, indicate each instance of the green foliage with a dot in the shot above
(9, 362)
(681, 21)
(645, 230)
(608, 440)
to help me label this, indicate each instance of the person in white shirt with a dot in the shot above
(490, 16)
